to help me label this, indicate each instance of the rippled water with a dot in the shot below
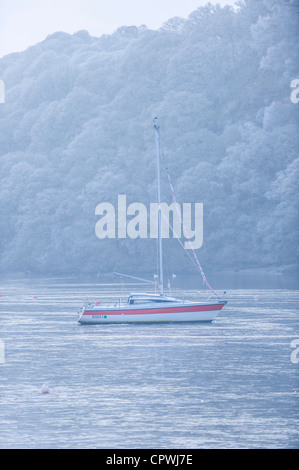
(230, 383)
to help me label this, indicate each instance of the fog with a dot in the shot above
(76, 131)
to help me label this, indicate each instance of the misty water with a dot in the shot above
(232, 383)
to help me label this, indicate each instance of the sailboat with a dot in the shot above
(153, 307)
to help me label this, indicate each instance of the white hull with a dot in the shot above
(187, 312)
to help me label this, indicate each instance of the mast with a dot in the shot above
(157, 128)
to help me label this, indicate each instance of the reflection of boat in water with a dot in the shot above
(153, 307)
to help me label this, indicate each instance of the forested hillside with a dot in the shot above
(76, 130)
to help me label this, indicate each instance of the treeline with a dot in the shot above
(76, 130)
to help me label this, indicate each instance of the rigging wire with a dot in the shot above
(185, 231)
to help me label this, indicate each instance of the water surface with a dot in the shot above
(226, 384)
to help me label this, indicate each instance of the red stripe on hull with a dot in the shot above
(150, 311)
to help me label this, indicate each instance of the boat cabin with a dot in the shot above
(135, 299)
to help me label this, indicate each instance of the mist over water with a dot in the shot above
(230, 383)
(76, 118)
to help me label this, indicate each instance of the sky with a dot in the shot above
(27, 22)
